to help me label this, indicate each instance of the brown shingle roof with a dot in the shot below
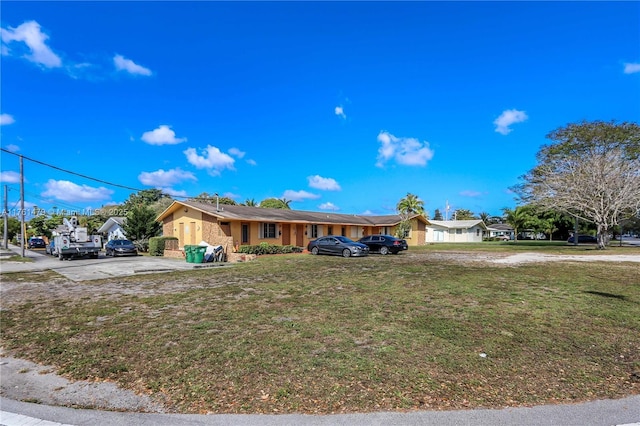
(259, 214)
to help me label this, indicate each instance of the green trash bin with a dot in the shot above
(188, 253)
(198, 253)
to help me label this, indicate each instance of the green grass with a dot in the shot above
(315, 334)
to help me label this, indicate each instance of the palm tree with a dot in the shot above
(250, 202)
(285, 203)
(410, 204)
(517, 218)
(485, 217)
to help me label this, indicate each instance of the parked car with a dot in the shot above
(50, 248)
(337, 245)
(36, 243)
(120, 248)
(502, 238)
(384, 244)
(583, 239)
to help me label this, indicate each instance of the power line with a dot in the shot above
(84, 176)
(70, 172)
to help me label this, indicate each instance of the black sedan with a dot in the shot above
(337, 245)
(120, 248)
(384, 244)
(583, 239)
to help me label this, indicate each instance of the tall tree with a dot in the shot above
(274, 203)
(13, 227)
(141, 224)
(250, 202)
(437, 215)
(590, 171)
(213, 198)
(463, 214)
(145, 197)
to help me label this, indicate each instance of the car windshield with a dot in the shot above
(122, 243)
(344, 239)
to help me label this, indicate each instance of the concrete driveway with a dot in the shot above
(85, 269)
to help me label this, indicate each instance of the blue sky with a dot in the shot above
(337, 106)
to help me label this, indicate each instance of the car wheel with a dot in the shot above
(346, 253)
(384, 250)
(314, 250)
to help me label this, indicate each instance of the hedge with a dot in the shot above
(156, 245)
(266, 248)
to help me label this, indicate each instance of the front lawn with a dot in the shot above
(322, 334)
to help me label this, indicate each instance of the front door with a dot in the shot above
(181, 234)
(299, 235)
(286, 234)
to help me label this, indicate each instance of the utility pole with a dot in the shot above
(22, 227)
(6, 218)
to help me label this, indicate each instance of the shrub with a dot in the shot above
(157, 245)
(142, 245)
(266, 248)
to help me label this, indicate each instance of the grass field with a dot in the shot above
(315, 334)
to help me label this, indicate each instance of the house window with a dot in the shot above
(330, 230)
(459, 231)
(478, 232)
(406, 233)
(268, 230)
(314, 231)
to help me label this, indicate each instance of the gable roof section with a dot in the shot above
(457, 224)
(113, 220)
(259, 214)
(500, 227)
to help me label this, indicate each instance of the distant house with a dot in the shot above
(455, 231)
(232, 225)
(500, 230)
(112, 228)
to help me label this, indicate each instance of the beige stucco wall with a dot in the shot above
(199, 226)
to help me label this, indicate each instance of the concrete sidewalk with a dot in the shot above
(597, 413)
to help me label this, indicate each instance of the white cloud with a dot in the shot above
(252, 162)
(325, 184)
(68, 191)
(30, 34)
(405, 151)
(367, 213)
(124, 64)
(299, 195)
(507, 118)
(212, 159)
(163, 135)
(6, 119)
(236, 152)
(469, 193)
(328, 206)
(10, 177)
(340, 112)
(12, 148)
(631, 68)
(162, 178)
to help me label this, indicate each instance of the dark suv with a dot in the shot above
(36, 243)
